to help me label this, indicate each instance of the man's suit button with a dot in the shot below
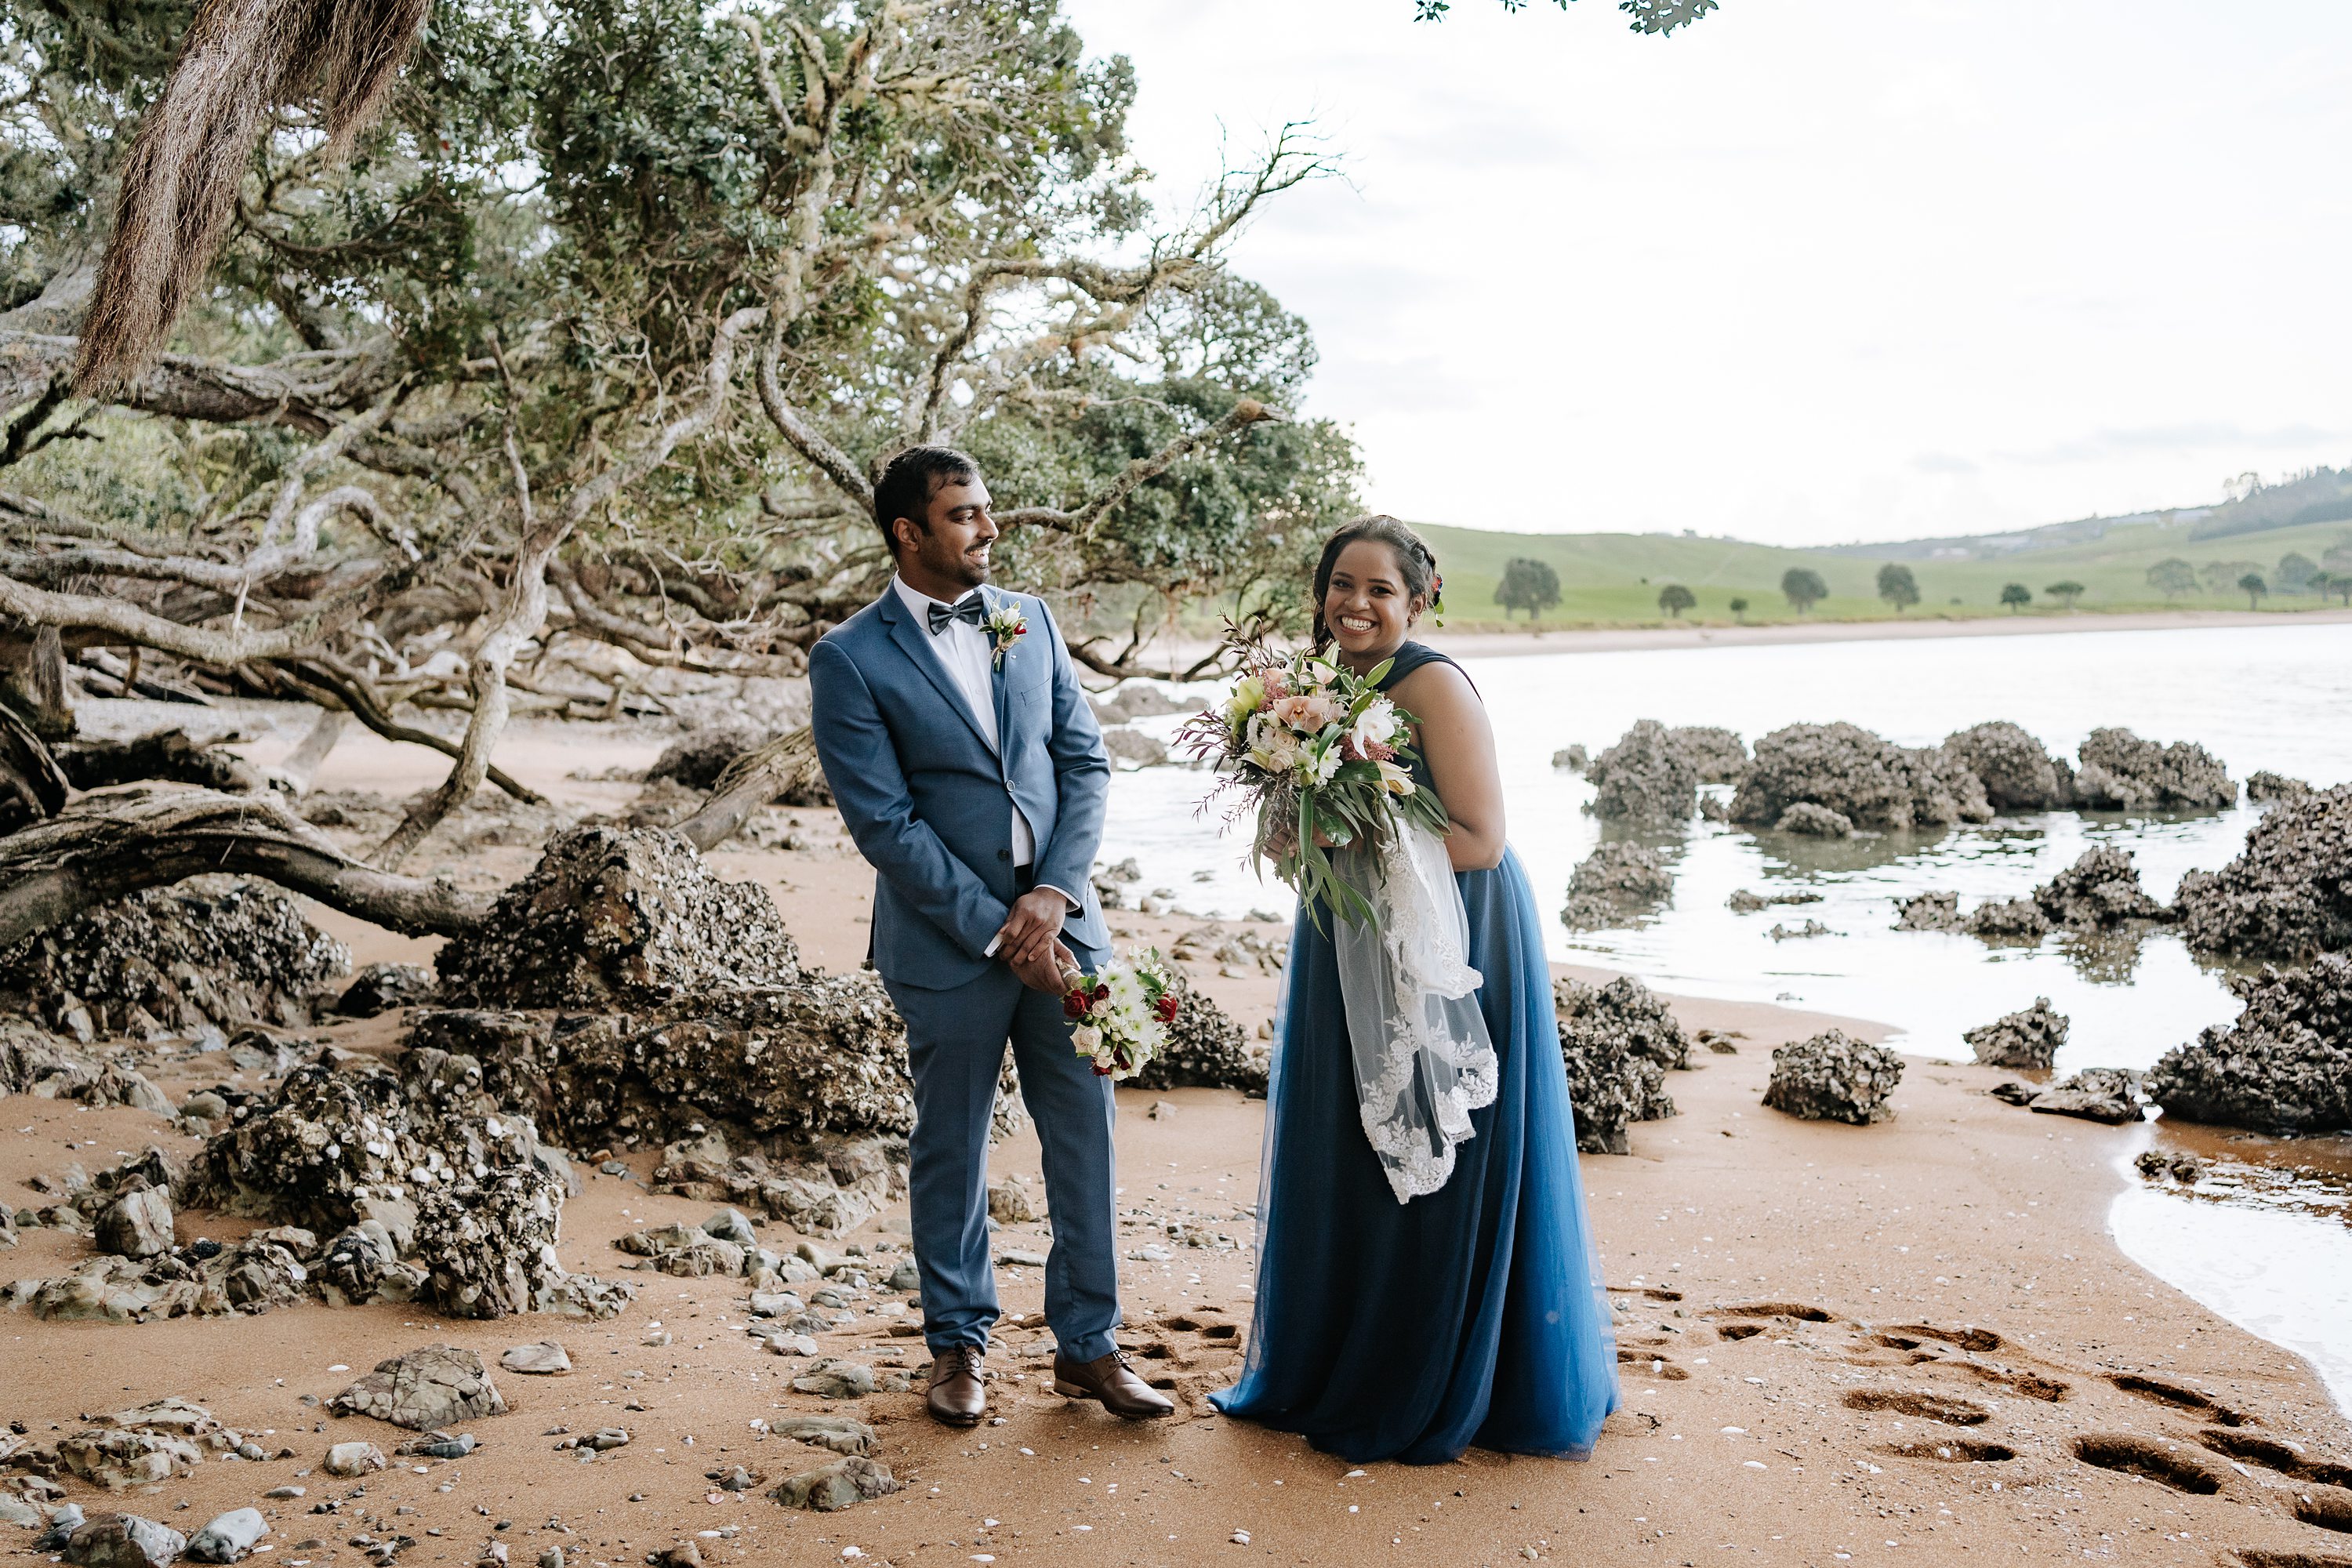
(1005, 855)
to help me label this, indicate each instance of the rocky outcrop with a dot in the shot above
(2028, 1039)
(1936, 910)
(1573, 759)
(1618, 1040)
(2008, 921)
(218, 952)
(1865, 778)
(2017, 774)
(2288, 895)
(437, 1387)
(1834, 1078)
(2100, 891)
(1744, 903)
(2120, 771)
(1716, 756)
(694, 762)
(2262, 786)
(1615, 884)
(384, 988)
(1644, 779)
(1205, 1049)
(2284, 1066)
(1813, 822)
(618, 918)
(2095, 1094)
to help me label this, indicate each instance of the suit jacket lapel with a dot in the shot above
(1000, 680)
(915, 640)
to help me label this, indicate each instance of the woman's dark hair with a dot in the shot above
(908, 483)
(1415, 563)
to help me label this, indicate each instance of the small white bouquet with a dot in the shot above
(1121, 1017)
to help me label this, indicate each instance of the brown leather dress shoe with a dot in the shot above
(1110, 1378)
(959, 1393)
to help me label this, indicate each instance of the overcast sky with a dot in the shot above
(1812, 271)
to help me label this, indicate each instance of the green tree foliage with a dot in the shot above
(2016, 595)
(2294, 571)
(1648, 15)
(1898, 587)
(1803, 587)
(1674, 598)
(2253, 587)
(2065, 592)
(1739, 608)
(1527, 584)
(2172, 578)
(2219, 576)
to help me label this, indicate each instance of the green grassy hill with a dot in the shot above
(1612, 579)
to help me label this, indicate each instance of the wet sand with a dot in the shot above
(1837, 1344)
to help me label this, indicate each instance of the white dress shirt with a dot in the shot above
(971, 662)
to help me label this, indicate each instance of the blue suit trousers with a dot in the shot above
(955, 1049)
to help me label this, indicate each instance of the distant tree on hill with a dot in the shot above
(1674, 598)
(1739, 608)
(2067, 593)
(1898, 587)
(2219, 574)
(2295, 571)
(1804, 587)
(2253, 587)
(2172, 578)
(2325, 583)
(2338, 557)
(1527, 584)
(2016, 595)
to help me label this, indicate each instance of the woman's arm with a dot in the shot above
(1460, 748)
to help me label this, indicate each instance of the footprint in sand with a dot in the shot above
(1916, 1402)
(2151, 1461)
(2272, 1455)
(2156, 1390)
(1653, 1363)
(2260, 1557)
(1952, 1451)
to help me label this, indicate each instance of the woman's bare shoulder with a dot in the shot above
(1436, 688)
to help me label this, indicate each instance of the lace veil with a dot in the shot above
(1424, 1060)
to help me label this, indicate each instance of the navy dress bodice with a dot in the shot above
(1472, 1315)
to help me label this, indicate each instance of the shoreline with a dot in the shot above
(1604, 639)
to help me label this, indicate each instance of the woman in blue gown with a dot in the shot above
(1473, 1315)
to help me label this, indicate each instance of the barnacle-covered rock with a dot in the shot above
(2288, 895)
(1614, 886)
(213, 952)
(1205, 1049)
(618, 918)
(1834, 1078)
(1863, 777)
(2017, 773)
(1643, 778)
(2120, 771)
(2100, 891)
(2284, 1066)
(1618, 1040)
(2029, 1037)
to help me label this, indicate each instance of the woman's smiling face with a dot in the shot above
(1366, 606)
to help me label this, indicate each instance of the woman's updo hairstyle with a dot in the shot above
(1417, 564)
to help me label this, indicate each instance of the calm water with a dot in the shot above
(2258, 697)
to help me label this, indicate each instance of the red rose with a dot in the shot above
(1167, 1009)
(1101, 991)
(1101, 1071)
(1074, 1004)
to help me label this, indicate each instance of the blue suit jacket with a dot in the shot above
(924, 796)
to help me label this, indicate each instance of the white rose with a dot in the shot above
(1087, 1037)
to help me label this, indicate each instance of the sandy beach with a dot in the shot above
(1913, 1341)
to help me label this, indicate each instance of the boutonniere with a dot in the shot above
(1006, 626)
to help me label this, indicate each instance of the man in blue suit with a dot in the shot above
(970, 772)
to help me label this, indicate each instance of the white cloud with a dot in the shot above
(1813, 270)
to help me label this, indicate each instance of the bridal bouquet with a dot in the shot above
(1121, 1014)
(1323, 756)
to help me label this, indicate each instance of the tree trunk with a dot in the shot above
(302, 764)
(109, 845)
(750, 782)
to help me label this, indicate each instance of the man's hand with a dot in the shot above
(1049, 971)
(1032, 926)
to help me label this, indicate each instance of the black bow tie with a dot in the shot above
(968, 609)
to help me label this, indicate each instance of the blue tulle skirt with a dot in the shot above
(1473, 1316)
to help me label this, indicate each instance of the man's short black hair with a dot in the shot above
(908, 483)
